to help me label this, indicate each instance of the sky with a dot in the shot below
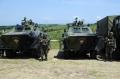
(56, 11)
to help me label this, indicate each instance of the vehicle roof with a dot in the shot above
(80, 31)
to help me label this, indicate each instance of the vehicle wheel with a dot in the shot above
(93, 54)
(10, 54)
(1, 53)
(99, 57)
(67, 54)
(36, 54)
(60, 54)
(41, 54)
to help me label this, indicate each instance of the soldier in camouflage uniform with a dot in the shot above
(24, 21)
(110, 46)
(45, 46)
(27, 24)
(79, 23)
(35, 27)
(31, 22)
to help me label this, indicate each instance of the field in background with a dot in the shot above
(54, 30)
(54, 45)
(93, 27)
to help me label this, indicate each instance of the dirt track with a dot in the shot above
(58, 69)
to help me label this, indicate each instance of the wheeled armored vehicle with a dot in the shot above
(24, 39)
(78, 39)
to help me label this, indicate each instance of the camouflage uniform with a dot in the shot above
(80, 23)
(45, 45)
(19, 27)
(23, 21)
(27, 26)
(31, 22)
(110, 46)
(35, 27)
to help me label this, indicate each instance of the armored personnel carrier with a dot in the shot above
(25, 39)
(78, 39)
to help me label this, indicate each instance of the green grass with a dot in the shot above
(55, 31)
(93, 27)
(54, 45)
(55, 35)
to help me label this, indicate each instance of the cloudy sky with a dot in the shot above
(56, 11)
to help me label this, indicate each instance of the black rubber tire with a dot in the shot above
(42, 54)
(10, 54)
(93, 55)
(60, 54)
(36, 54)
(1, 53)
(67, 54)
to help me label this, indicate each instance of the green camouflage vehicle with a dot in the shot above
(78, 39)
(24, 39)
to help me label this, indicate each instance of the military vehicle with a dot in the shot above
(104, 27)
(24, 39)
(78, 39)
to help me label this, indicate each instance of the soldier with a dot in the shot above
(30, 22)
(27, 25)
(45, 46)
(24, 21)
(65, 32)
(19, 27)
(35, 27)
(75, 22)
(110, 46)
(80, 23)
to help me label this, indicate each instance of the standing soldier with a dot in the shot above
(79, 23)
(110, 46)
(36, 26)
(45, 42)
(24, 21)
(31, 22)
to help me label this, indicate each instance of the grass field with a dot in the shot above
(54, 45)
